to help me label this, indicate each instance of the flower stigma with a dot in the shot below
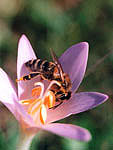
(40, 102)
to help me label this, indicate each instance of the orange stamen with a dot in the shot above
(17, 80)
(36, 109)
(43, 114)
(38, 105)
(33, 104)
(49, 99)
(26, 102)
(36, 91)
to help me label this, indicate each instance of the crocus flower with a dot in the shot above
(73, 62)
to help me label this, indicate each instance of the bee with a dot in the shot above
(50, 71)
(62, 90)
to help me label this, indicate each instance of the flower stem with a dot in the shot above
(25, 141)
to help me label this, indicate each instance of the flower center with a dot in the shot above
(39, 103)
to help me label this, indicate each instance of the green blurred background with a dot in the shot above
(58, 24)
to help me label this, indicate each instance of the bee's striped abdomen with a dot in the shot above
(45, 66)
(39, 65)
(34, 65)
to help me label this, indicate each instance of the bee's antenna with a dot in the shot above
(55, 59)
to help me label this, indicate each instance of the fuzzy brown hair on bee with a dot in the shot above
(50, 71)
(62, 92)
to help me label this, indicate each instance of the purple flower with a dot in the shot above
(74, 62)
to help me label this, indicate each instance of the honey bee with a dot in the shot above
(63, 91)
(50, 71)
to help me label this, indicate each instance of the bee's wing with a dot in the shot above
(55, 59)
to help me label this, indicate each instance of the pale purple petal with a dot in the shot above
(9, 98)
(25, 53)
(7, 91)
(69, 131)
(22, 115)
(74, 62)
(78, 103)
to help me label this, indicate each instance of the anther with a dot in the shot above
(17, 80)
(42, 88)
(43, 114)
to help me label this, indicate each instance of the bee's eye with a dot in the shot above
(64, 85)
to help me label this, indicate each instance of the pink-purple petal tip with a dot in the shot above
(69, 131)
(7, 91)
(25, 53)
(74, 62)
(84, 45)
(87, 100)
(79, 102)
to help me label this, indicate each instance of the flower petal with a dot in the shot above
(25, 53)
(9, 98)
(69, 131)
(74, 62)
(78, 103)
(22, 116)
(7, 91)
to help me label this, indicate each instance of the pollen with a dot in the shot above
(40, 102)
(26, 102)
(36, 91)
(34, 106)
(43, 114)
(49, 99)
(17, 80)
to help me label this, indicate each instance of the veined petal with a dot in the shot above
(7, 91)
(25, 53)
(74, 62)
(80, 102)
(9, 98)
(69, 131)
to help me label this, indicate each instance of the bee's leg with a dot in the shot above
(54, 107)
(29, 76)
(41, 78)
